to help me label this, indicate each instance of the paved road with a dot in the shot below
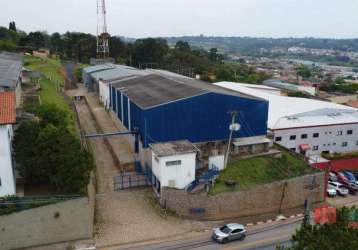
(264, 239)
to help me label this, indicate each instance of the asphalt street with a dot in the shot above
(263, 239)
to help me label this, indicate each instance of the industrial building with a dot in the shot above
(7, 119)
(162, 108)
(290, 87)
(307, 126)
(10, 74)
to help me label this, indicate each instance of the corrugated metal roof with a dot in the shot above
(117, 73)
(10, 70)
(95, 68)
(152, 90)
(7, 108)
(292, 112)
(173, 148)
(12, 56)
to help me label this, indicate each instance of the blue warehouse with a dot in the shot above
(166, 108)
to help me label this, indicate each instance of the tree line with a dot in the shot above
(156, 52)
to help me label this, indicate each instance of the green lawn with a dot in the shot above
(48, 94)
(259, 170)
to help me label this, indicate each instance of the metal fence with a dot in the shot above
(130, 180)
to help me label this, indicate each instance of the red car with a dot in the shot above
(341, 178)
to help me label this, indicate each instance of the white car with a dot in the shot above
(340, 189)
(229, 232)
(331, 192)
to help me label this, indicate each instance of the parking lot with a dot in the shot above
(342, 188)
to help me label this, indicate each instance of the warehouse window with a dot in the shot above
(173, 163)
(350, 132)
(344, 144)
(304, 136)
(315, 135)
(315, 148)
(293, 137)
(278, 138)
(339, 132)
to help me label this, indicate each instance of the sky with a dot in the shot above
(155, 18)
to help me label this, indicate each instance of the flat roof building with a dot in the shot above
(305, 125)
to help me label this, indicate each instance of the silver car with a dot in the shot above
(229, 232)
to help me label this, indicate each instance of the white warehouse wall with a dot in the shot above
(104, 94)
(7, 186)
(329, 138)
(182, 174)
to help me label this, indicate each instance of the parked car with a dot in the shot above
(340, 189)
(341, 177)
(229, 232)
(355, 173)
(331, 192)
(350, 176)
(332, 176)
(352, 188)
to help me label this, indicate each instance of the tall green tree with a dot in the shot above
(336, 236)
(47, 152)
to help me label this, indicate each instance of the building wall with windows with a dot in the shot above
(334, 138)
(175, 171)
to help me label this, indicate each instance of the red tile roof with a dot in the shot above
(7, 108)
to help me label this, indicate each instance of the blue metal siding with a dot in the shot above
(205, 118)
(110, 95)
(125, 111)
(199, 119)
(114, 102)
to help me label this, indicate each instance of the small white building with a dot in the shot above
(7, 118)
(307, 126)
(173, 164)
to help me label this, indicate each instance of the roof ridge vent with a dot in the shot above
(334, 114)
(292, 118)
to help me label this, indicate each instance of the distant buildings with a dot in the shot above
(7, 119)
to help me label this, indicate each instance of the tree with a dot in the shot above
(24, 147)
(7, 46)
(51, 114)
(47, 152)
(304, 71)
(149, 50)
(181, 46)
(334, 236)
(12, 26)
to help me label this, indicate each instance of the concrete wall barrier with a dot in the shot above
(267, 198)
(64, 221)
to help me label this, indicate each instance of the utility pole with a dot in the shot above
(233, 127)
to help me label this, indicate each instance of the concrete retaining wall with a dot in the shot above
(63, 221)
(262, 199)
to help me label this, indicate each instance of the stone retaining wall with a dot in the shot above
(268, 198)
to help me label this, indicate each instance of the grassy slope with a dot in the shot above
(49, 94)
(260, 170)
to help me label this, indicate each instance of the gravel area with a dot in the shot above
(129, 215)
